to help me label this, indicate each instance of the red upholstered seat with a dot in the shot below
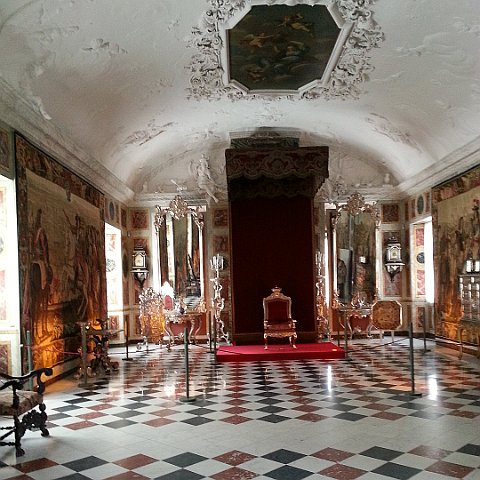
(278, 321)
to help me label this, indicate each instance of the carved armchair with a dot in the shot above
(387, 316)
(277, 317)
(20, 405)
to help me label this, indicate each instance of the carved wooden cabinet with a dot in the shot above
(469, 289)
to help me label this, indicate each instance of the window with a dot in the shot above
(113, 254)
(9, 294)
(422, 260)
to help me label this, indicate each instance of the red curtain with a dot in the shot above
(272, 245)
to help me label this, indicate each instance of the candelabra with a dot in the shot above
(323, 327)
(218, 303)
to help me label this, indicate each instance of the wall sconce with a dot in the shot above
(139, 265)
(216, 262)
(393, 257)
(471, 265)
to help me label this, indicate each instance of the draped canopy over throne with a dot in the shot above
(277, 317)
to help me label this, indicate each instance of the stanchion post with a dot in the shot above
(412, 366)
(126, 330)
(425, 350)
(338, 328)
(210, 342)
(83, 328)
(28, 338)
(346, 339)
(215, 337)
(187, 397)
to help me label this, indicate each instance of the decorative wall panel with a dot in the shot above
(418, 260)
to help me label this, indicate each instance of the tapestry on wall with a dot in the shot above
(456, 222)
(61, 255)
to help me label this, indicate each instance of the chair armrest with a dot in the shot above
(17, 383)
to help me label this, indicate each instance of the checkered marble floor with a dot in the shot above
(363, 418)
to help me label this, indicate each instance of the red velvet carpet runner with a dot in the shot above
(255, 353)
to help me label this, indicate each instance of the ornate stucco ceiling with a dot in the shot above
(133, 94)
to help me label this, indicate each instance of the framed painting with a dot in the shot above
(220, 243)
(281, 47)
(390, 213)
(6, 151)
(139, 219)
(220, 217)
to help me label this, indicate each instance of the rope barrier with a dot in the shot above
(43, 349)
(411, 356)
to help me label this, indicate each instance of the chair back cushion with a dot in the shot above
(277, 311)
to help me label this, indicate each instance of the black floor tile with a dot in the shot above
(197, 421)
(185, 459)
(393, 470)
(85, 463)
(119, 423)
(381, 453)
(288, 473)
(284, 456)
(128, 414)
(180, 475)
(351, 417)
(470, 449)
(273, 418)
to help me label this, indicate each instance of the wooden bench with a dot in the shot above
(20, 405)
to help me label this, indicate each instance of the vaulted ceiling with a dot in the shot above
(131, 94)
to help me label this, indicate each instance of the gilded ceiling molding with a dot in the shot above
(344, 81)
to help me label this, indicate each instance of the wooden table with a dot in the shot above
(100, 358)
(352, 319)
(192, 318)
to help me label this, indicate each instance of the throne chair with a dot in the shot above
(277, 317)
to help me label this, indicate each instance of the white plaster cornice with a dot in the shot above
(450, 166)
(21, 116)
(163, 199)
